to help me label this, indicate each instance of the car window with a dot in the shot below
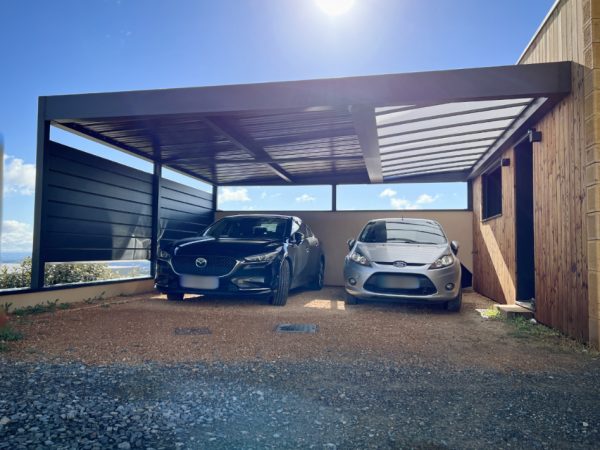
(295, 226)
(421, 232)
(309, 232)
(248, 228)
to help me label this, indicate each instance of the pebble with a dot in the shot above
(154, 406)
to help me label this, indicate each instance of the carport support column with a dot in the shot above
(37, 257)
(156, 191)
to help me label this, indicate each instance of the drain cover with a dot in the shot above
(296, 328)
(191, 331)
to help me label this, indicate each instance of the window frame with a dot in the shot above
(487, 183)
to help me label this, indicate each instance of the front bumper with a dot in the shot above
(244, 279)
(432, 288)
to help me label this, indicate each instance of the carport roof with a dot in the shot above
(428, 126)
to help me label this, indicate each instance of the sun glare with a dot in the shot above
(335, 7)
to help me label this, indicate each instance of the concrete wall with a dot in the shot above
(334, 228)
(77, 294)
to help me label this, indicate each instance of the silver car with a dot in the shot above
(403, 259)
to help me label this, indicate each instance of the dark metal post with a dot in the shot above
(156, 192)
(43, 137)
(334, 197)
(470, 195)
(215, 196)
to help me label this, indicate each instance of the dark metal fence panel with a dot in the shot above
(94, 209)
(98, 210)
(184, 211)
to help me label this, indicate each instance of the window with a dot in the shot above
(248, 227)
(491, 195)
(403, 196)
(406, 231)
(274, 198)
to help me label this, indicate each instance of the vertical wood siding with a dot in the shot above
(559, 194)
(494, 243)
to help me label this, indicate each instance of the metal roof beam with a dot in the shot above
(487, 83)
(425, 166)
(447, 157)
(446, 176)
(433, 147)
(513, 133)
(230, 129)
(266, 160)
(366, 130)
(443, 136)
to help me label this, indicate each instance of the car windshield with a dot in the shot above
(421, 232)
(248, 228)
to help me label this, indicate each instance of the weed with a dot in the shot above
(105, 305)
(49, 306)
(524, 328)
(97, 298)
(64, 305)
(491, 313)
(6, 306)
(7, 334)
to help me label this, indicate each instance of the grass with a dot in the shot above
(7, 334)
(490, 313)
(524, 328)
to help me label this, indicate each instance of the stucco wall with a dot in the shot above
(334, 228)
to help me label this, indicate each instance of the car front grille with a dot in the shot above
(215, 265)
(401, 284)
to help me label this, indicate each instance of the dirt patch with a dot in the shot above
(143, 328)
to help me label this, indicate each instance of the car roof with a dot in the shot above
(406, 219)
(274, 216)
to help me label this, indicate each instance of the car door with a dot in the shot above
(314, 258)
(299, 253)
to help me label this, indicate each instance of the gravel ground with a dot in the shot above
(121, 374)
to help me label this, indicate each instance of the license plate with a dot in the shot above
(399, 282)
(199, 282)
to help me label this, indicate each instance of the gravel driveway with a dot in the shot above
(133, 375)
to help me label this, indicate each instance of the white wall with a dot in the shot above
(334, 228)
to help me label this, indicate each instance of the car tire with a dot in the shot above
(351, 299)
(174, 296)
(282, 289)
(317, 283)
(455, 305)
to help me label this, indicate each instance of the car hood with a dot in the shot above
(206, 245)
(409, 253)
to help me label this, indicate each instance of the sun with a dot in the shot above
(335, 7)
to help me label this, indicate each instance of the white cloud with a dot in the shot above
(263, 195)
(425, 199)
(387, 192)
(234, 195)
(16, 236)
(402, 203)
(305, 198)
(19, 176)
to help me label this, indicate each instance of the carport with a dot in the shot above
(400, 128)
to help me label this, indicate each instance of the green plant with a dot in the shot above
(49, 306)
(64, 305)
(490, 313)
(524, 328)
(20, 276)
(7, 334)
(6, 307)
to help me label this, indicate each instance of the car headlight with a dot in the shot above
(163, 254)
(262, 258)
(359, 259)
(443, 261)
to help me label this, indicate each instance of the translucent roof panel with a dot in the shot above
(444, 137)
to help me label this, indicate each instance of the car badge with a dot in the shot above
(201, 263)
(400, 264)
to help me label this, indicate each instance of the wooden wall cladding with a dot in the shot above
(559, 196)
(559, 182)
(494, 243)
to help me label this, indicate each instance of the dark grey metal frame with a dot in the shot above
(220, 106)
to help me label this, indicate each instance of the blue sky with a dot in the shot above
(74, 46)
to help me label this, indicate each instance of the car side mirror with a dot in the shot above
(297, 237)
(454, 246)
(351, 243)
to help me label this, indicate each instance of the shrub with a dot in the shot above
(20, 277)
